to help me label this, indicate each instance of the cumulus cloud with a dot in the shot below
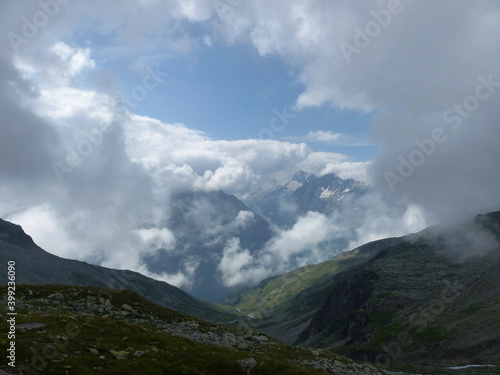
(306, 234)
(233, 266)
(157, 238)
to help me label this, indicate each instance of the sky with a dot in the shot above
(108, 108)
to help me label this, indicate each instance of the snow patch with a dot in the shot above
(327, 193)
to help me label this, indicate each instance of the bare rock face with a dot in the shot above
(342, 309)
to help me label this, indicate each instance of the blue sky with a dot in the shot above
(230, 93)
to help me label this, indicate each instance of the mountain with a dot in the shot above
(430, 299)
(82, 330)
(203, 223)
(306, 192)
(36, 266)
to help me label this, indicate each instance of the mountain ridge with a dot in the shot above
(36, 266)
(373, 302)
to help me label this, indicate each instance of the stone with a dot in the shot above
(242, 346)
(247, 364)
(260, 338)
(139, 353)
(29, 326)
(315, 352)
(129, 309)
(56, 296)
(93, 350)
(121, 354)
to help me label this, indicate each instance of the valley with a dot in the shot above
(401, 304)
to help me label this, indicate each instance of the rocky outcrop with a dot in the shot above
(342, 308)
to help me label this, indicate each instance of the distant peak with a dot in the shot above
(13, 233)
(302, 176)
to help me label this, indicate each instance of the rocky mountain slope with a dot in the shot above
(305, 192)
(81, 330)
(36, 266)
(428, 299)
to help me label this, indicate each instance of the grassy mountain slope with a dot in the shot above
(429, 299)
(414, 303)
(283, 305)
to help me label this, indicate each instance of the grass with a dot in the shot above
(275, 290)
(77, 342)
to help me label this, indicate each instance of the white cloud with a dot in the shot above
(157, 238)
(321, 163)
(50, 235)
(185, 278)
(233, 263)
(243, 218)
(324, 136)
(76, 59)
(110, 208)
(307, 233)
(57, 67)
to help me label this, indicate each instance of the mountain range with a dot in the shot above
(204, 223)
(423, 303)
(303, 193)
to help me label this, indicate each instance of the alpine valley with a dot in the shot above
(424, 303)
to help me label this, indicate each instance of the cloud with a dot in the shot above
(317, 237)
(157, 238)
(324, 136)
(317, 136)
(234, 262)
(184, 278)
(305, 235)
(461, 240)
(321, 163)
